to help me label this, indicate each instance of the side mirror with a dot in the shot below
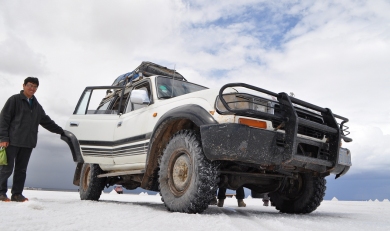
(139, 97)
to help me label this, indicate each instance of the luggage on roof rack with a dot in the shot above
(147, 69)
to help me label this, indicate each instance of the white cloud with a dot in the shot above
(371, 149)
(16, 57)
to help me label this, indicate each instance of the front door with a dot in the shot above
(132, 136)
(94, 124)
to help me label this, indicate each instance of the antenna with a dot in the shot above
(173, 78)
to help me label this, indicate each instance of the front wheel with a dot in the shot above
(301, 195)
(90, 185)
(188, 180)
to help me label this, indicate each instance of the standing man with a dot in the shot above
(19, 120)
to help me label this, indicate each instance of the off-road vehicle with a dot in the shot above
(155, 130)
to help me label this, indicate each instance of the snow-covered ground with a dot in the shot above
(49, 210)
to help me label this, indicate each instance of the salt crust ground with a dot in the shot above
(49, 210)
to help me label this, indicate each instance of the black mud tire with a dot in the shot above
(90, 185)
(301, 197)
(188, 181)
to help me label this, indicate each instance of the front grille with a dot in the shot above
(301, 129)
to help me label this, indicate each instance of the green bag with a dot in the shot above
(3, 156)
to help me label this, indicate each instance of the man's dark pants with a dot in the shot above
(240, 194)
(19, 157)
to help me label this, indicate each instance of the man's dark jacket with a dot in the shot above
(19, 122)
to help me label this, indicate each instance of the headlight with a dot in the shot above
(242, 101)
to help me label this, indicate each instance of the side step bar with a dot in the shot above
(121, 173)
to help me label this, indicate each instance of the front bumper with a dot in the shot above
(237, 142)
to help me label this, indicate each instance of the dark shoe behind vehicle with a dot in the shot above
(213, 201)
(220, 202)
(241, 203)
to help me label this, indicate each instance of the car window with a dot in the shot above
(95, 101)
(169, 87)
(138, 106)
(82, 107)
(105, 105)
(115, 106)
(131, 106)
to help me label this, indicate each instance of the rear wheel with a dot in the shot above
(188, 180)
(302, 195)
(90, 185)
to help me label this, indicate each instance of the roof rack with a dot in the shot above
(147, 69)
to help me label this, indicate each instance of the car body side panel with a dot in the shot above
(90, 131)
(133, 125)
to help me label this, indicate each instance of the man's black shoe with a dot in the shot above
(18, 198)
(4, 198)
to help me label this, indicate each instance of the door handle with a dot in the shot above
(119, 124)
(74, 124)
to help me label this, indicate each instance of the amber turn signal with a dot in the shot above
(253, 123)
(155, 114)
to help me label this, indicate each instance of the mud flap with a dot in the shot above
(74, 146)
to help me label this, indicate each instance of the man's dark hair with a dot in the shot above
(33, 80)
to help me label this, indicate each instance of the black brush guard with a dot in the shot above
(237, 142)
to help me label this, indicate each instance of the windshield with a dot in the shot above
(166, 84)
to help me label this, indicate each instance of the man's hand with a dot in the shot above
(4, 144)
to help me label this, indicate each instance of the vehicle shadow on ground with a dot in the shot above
(156, 206)
(272, 212)
(241, 212)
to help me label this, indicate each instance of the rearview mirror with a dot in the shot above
(139, 97)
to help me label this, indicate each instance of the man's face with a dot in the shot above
(29, 89)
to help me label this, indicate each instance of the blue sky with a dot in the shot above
(332, 53)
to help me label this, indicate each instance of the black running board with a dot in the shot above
(121, 173)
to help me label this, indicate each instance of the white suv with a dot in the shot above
(165, 134)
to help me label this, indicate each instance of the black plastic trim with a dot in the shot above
(193, 112)
(74, 146)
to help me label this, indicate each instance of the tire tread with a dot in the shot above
(197, 200)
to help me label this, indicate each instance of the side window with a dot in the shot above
(138, 106)
(105, 105)
(132, 106)
(83, 104)
(129, 106)
(95, 101)
(115, 106)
